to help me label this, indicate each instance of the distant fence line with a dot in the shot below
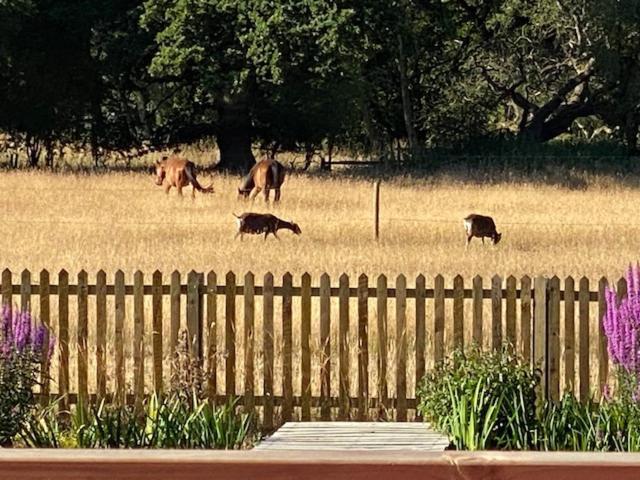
(552, 324)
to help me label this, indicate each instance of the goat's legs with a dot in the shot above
(254, 193)
(266, 195)
(469, 237)
(167, 187)
(277, 195)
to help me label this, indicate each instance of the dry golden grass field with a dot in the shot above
(124, 221)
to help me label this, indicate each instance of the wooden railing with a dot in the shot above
(322, 350)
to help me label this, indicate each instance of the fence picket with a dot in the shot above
(174, 302)
(569, 335)
(157, 333)
(63, 339)
(138, 338)
(287, 350)
(583, 343)
(82, 334)
(249, 325)
(7, 289)
(343, 343)
(553, 339)
(45, 318)
(496, 312)
(194, 318)
(511, 336)
(438, 319)
(601, 340)
(212, 326)
(25, 291)
(382, 320)
(476, 326)
(325, 347)
(525, 318)
(268, 342)
(458, 312)
(101, 335)
(230, 335)
(540, 332)
(401, 349)
(119, 290)
(363, 347)
(305, 334)
(420, 328)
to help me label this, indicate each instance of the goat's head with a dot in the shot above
(161, 171)
(496, 238)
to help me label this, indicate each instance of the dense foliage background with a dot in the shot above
(367, 76)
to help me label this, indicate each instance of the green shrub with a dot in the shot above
(482, 400)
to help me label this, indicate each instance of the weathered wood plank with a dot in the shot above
(401, 349)
(287, 350)
(305, 338)
(138, 338)
(174, 302)
(510, 320)
(476, 326)
(63, 339)
(101, 335)
(82, 337)
(268, 344)
(600, 350)
(525, 319)
(119, 336)
(496, 312)
(230, 334)
(438, 320)
(363, 347)
(583, 339)
(212, 337)
(249, 325)
(553, 339)
(325, 347)
(45, 318)
(569, 336)
(157, 332)
(343, 344)
(420, 332)
(540, 333)
(381, 298)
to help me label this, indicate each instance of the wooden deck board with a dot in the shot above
(355, 436)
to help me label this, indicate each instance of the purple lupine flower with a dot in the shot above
(19, 334)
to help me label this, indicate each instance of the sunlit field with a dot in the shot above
(123, 221)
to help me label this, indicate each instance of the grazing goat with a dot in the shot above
(257, 223)
(481, 226)
(266, 175)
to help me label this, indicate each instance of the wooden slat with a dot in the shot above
(7, 288)
(458, 313)
(119, 336)
(157, 334)
(249, 325)
(174, 301)
(230, 334)
(363, 347)
(420, 331)
(25, 291)
(138, 338)
(382, 319)
(401, 349)
(510, 319)
(194, 325)
(496, 312)
(583, 340)
(325, 347)
(101, 334)
(305, 334)
(438, 319)
(569, 336)
(268, 344)
(540, 332)
(45, 318)
(287, 350)
(553, 339)
(601, 340)
(343, 344)
(212, 337)
(82, 337)
(476, 327)
(525, 319)
(63, 340)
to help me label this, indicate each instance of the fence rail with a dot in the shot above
(351, 349)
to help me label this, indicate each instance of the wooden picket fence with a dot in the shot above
(366, 364)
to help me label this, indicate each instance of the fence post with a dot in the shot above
(194, 313)
(540, 332)
(376, 210)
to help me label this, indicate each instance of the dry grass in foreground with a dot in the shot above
(124, 221)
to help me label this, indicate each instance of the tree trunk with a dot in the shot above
(234, 136)
(406, 99)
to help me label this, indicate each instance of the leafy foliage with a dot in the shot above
(482, 400)
(23, 345)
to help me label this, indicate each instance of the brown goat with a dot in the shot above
(266, 175)
(257, 223)
(481, 226)
(178, 172)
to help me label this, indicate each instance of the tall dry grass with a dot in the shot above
(122, 220)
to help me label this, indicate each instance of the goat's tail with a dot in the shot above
(191, 176)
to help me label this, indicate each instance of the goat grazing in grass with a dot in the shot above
(265, 176)
(257, 223)
(480, 226)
